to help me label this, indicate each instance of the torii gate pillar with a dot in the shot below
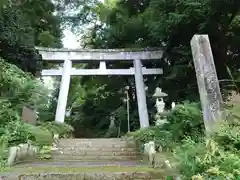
(141, 95)
(63, 93)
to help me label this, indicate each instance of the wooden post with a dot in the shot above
(208, 86)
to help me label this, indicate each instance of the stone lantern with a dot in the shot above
(160, 106)
(159, 95)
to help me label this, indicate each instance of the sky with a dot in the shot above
(70, 40)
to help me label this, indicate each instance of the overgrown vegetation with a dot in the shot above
(197, 156)
(19, 89)
(169, 25)
(24, 25)
(93, 101)
(64, 130)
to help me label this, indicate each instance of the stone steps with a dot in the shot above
(103, 146)
(90, 159)
(94, 141)
(93, 158)
(88, 176)
(100, 153)
(92, 144)
(112, 149)
(92, 149)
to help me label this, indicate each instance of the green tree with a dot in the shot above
(169, 25)
(24, 25)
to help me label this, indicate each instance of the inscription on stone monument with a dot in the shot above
(208, 86)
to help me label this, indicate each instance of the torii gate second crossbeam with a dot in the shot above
(102, 55)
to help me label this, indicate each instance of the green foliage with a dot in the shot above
(233, 108)
(3, 152)
(45, 152)
(158, 134)
(22, 26)
(64, 130)
(17, 132)
(7, 113)
(93, 106)
(112, 132)
(215, 157)
(169, 25)
(210, 159)
(196, 156)
(18, 89)
(185, 120)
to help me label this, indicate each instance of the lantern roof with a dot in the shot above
(159, 94)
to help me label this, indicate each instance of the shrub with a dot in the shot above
(233, 108)
(215, 157)
(16, 90)
(7, 113)
(158, 134)
(3, 152)
(20, 88)
(185, 120)
(63, 129)
(17, 132)
(207, 159)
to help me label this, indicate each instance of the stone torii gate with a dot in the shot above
(68, 56)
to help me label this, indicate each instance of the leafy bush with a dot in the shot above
(16, 90)
(3, 152)
(208, 159)
(158, 134)
(199, 157)
(7, 113)
(215, 157)
(63, 129)
(233, 108)
(17, 132)
(20, 88)
(185, 120)
(45, 152)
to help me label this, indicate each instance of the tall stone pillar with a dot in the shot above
(208, 86)
(63, 94)
(141, 95)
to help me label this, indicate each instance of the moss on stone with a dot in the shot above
(104, 170)
(82, 169)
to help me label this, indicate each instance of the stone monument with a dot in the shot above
(29, 115)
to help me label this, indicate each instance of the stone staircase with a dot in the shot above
(89, 159)
(92, 150)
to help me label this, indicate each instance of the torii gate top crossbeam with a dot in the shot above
(51, 54)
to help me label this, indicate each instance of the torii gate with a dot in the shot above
(101, 55)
